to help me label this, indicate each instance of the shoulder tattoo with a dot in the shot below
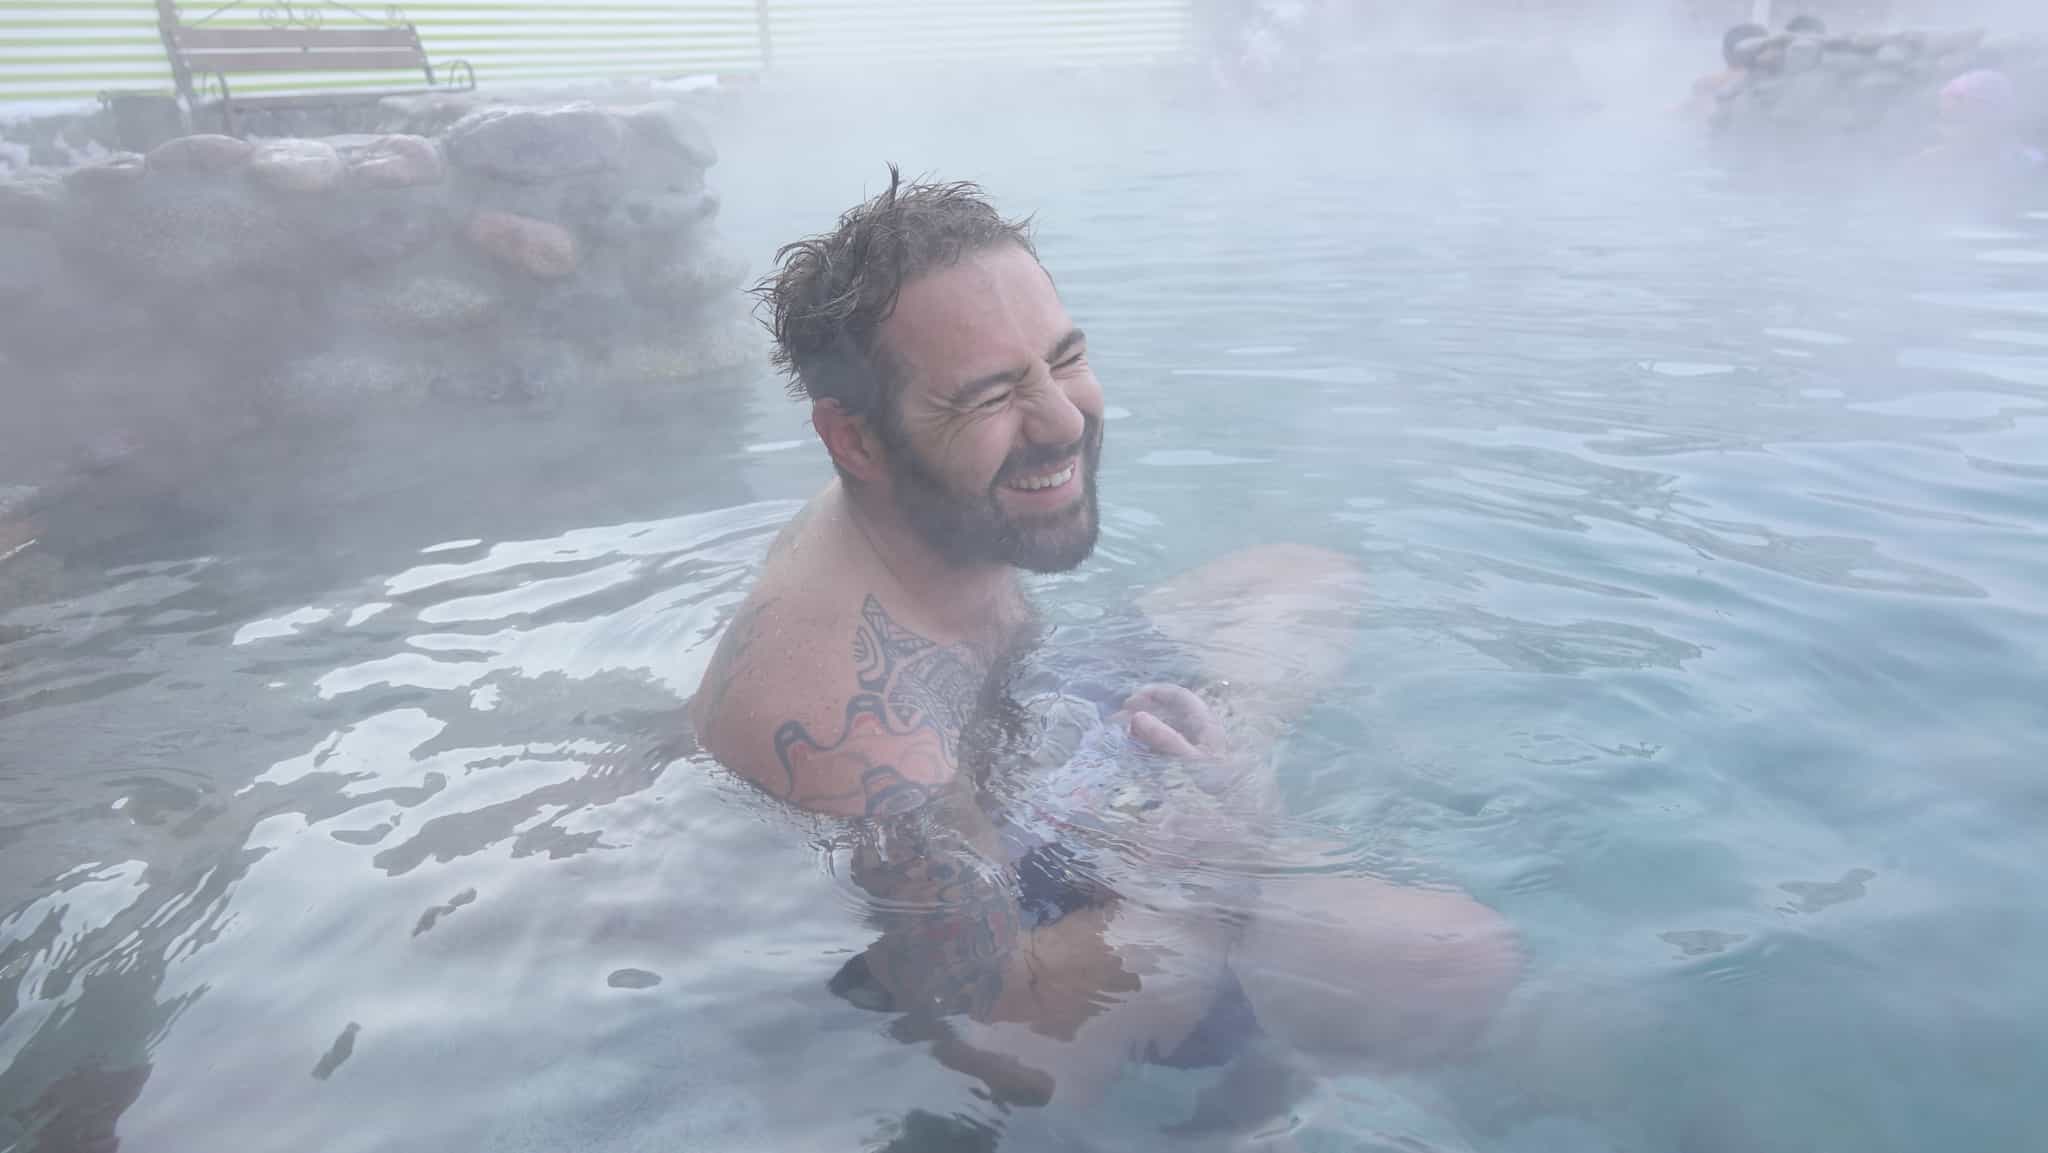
(901, 727)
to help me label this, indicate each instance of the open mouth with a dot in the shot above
(1045, 481)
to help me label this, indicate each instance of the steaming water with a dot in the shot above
(1704, 526)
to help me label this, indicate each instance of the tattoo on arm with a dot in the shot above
(902, 726)
(943, 899)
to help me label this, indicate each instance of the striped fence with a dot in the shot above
(67, 52)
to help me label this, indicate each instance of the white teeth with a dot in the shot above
(1054, 481)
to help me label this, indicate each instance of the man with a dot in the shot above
(867, 676)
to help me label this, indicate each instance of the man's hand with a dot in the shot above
(1174, 722)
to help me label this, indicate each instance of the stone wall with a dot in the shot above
(1870, 84)
(467, 254)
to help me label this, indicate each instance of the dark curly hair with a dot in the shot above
(828, 296)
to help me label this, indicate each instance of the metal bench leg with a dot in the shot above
(227, 107)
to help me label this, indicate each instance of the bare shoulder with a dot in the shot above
(831, 702)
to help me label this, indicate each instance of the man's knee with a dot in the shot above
(1278, 619)
(1385, 974)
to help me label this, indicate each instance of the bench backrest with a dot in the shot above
(223, 50)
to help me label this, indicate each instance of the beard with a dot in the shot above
(967, 529)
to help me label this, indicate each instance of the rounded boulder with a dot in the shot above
(297, 165)
(541, 250)
(396, 161)
(528, 145)
(201, 153)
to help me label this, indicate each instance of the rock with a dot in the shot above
(1960, 40)
(198, 154)
(523, 372)
(580, 202)
(297, 165)
(187, 232)
(670, 129)
(31, 200)
(1802, 54)
(679, 285)
(585, 308)
(722, 344)
(121, 172)
(527, 146)
(426, 113)
(258, 313)
(663, 216)
(539, 249)
(1844, 66)
(33, 262)
(341, 380)
(430, 305)
(396, 161)
(377, 227)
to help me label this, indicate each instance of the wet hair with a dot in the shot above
(829, 295)
(1737, 35)
(1807, 24)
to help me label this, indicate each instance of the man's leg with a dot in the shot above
(1096, 990)
(1345, 967)
(1272, 626)
(1363, 973)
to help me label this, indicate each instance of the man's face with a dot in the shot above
(996, 430)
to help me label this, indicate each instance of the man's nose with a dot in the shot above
(1054, 418)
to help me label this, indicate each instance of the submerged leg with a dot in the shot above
(1347, 968)
(1368, 974)
(1274, 625)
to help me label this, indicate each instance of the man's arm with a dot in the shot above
(945, 904)
(890, 741)
(878, 742)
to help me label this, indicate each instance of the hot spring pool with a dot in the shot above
(1704, 524)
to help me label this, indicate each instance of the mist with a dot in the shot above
(1589, 472)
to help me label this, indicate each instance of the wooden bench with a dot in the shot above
(214, 54)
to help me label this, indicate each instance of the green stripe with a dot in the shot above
(58, 95)
(559, 35)
(75, 25)
(430, 28)
(93, 58)
(125, 39)
(572, 10)
(662, 68)
(127, 5)
(94, 77)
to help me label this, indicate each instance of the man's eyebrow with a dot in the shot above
(966, 393)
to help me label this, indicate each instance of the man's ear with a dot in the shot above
(849, 439)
